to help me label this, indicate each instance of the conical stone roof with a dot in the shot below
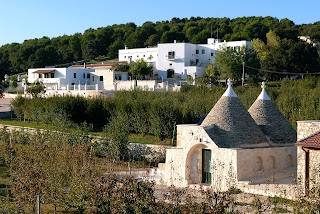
(230, 125)
(267, 116)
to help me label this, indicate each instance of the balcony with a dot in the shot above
(49, 80)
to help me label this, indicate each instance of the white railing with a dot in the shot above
(75, 87)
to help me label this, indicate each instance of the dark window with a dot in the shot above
(74, 75)
(84, 75)
(197, 51)
(202, 51)
(88, 76)
(170, 73)
(171, 55)
(93, 78)
(211, 54)
(101, 78)
(197, 61)
(52, 75)
(170, 64)
(119, 77)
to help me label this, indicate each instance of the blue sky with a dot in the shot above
(22, 19)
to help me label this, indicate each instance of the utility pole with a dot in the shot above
(242, 73)
(38, 203)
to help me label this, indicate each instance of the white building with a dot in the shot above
(179, 59)
(90, 77)
(60, 78)
(90, 80)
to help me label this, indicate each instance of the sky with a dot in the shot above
(29, 19)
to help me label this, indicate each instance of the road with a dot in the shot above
(5, 104)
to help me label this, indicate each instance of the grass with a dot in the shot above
(134, 138)
(17, 122)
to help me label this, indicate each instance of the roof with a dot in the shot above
(270, 120)
(46, 71)
(312, 141)
(230, 125)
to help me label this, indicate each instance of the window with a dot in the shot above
(84, 75)
(52, 75)
(137, 56)
(119, 77)
(93, 78)
(125, 56)
(171, 55)
(101, 78)
(202, 51)
(74, 75)
(144, 55)
(88, 76)
(170, 64)
(211, 54)
(197, 61)
(197, 51)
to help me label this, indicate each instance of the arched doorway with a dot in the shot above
(199, 165)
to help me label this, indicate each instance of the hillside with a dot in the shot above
(104, 42)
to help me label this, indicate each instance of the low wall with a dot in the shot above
(154, 154)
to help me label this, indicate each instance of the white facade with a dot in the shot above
(81, 80)
(182, 59)
(60, 78)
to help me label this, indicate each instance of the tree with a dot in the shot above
(37, 90)
(140, 68)
(210, 76)
(285, 55)
(228, 63)
(124, 67)
(114, 48)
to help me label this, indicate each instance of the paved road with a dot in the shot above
(5, 104)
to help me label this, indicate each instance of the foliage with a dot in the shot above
(121, 67)
(156, 113)
(228, 63)
(286, 55)
(106, 41)
(140, 69)
(36, 90)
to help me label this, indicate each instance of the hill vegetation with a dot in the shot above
(104, 42)
(157, 113)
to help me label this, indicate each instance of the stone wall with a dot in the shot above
(262, 162)
(314, 170)
(301, 168)
(154, 154)
(307, 128)
(175, 168)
